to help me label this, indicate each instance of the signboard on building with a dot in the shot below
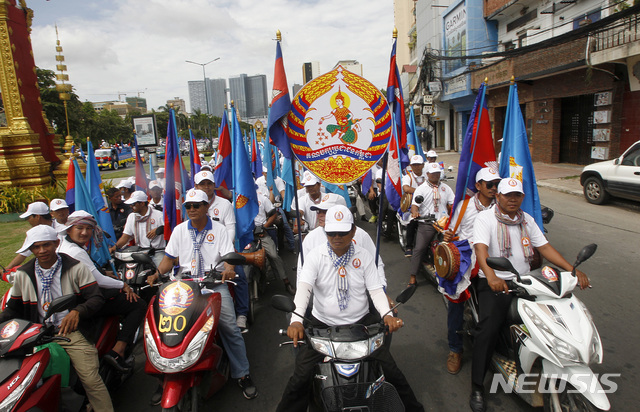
(455, 36)
(428, 99)
(457, 84)
(600, 153)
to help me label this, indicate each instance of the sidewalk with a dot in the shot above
(561, 177)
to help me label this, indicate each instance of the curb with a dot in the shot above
(542, 183)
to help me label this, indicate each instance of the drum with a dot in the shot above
(447, 260)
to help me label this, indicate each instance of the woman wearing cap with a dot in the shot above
(504, 230)
(339, 274)
(82, 230)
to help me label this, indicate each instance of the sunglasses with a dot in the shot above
(491, 184)
(192, 205)
(340, 234)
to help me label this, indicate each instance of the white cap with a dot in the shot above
(132, 179)
(137, 196)
(125, 183)
(510, 185)
(204, 163)
(40, 233)
(325, 204)
(487, 174)
(339, 219)
(201, 155)
(80, 213)
(206, 167)
(154, 183)
(434, 168)
(35, 208)
(309, 179)
(203, 175)
(196, 196)
(57, 204)
(432, 153)
(160, 170)
(417, 160)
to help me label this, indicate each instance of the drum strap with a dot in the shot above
(463, 209)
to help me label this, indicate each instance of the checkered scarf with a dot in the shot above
(46, 279)
(436, 195)
(198, 240)
(504, 240)
(340, 263)
(143, 228)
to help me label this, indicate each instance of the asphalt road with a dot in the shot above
(420, 348)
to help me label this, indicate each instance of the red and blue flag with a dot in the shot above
(194, 157)
(280, 107)
(70, 196)
(393, 180)
(396, 101)
(256, 157)
(174, 184)
(222, 173)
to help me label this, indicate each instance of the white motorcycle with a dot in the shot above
(551, 340)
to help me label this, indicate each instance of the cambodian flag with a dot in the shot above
(367, 180)
(280, 107)
(174, 186)
(256, 157)
(246, 198)
(396, 101)
(98, 196)
(515, 160)
(194, 157)
(393, 180)
(141, 176)
(270, 162)
(70, 196)
(223, 170)
(477, 149)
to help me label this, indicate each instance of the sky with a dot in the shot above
(140, 47)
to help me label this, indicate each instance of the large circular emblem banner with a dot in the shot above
(339, 126)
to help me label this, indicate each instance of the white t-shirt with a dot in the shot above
(306, 202)
(264, 206)
(427, 206)
(216, 244)
(78, 253)
(465, 230)
(485, 231)
(279, 183)
(320, 273)
(221, 210)
(413, 180)
(317, 237)
(152, 202)
(139, 230)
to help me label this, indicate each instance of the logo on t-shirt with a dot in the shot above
(356, 263)
(153, 221)
(210, 237)
(216, 211)
(326, 197)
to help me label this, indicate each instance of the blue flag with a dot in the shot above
(413, 141)
(256, 157)
(268, 163)
(96, 192)
(245, 196)
(340, 190)
(290, 185)
(515, 160)
(85, 202)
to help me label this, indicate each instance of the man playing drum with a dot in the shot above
(464, 217)
(430, 198)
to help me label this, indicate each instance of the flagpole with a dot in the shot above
(298, 218)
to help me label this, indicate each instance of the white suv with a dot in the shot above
(618, 177)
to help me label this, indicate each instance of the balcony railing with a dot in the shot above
(623, 31)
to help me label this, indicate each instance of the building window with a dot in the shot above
(521, 21)
(509, 46)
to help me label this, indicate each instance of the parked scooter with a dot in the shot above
(181, 339)
(134, 272)
(551, 335)
(346, 380)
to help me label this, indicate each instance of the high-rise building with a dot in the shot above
(217, 91)
(178, 104)
(310, 70)
(196, 96)
(139, 103)
(238, 94)
(296, 88)
(352, 65)
(249, 94)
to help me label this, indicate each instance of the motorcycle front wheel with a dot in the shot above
(574, 402)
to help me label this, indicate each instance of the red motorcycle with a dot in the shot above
(181, 339)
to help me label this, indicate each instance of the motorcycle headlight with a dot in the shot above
(10, 401)
(322, 346)
(559, 347)
(351, 350)
(184, 361)
(594, 347)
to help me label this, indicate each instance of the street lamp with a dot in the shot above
(206, 95)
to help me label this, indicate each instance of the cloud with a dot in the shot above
(133, 46)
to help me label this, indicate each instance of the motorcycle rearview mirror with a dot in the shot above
(585, 253)
(503, 264)
(60, 304)
(234, 258)
(405, 295)
(418, 199)
(285, 304)
(142, 258)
